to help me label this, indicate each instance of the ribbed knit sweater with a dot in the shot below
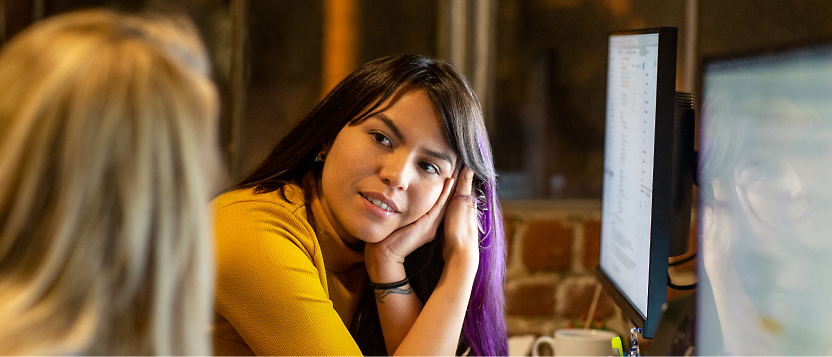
(286, 283)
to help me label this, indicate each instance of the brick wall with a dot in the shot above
(553, 249)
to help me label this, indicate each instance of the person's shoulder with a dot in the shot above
(290, 198)
(247, 213)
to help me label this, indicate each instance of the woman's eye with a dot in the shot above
(760, 176)
(429, 168)
(381, 139)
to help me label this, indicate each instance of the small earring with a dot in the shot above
(321, 157)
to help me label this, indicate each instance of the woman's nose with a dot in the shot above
(791, 183)
(395, 171)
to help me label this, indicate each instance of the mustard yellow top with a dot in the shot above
(286, 283)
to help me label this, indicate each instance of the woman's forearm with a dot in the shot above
(411, 329)
(436, 330)
(398, 308)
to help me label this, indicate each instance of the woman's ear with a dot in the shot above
(326, 146)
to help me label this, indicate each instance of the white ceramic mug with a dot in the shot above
(577, 342)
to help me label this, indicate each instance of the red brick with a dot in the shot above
(547, 245)
(537, 329)
(579, 300)
(592, 244)
(531, 299)
(509, 226)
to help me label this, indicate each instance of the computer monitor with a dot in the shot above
(646, 193)
(765, 204)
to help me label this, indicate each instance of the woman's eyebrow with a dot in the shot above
(386, 120)
(398, 133)
(440, 155)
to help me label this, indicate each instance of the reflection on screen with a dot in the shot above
(628, 164)
(766, 205)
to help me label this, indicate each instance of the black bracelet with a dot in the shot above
(389, 286)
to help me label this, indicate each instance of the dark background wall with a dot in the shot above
(549, 65)
(286, 51)
(736, 26)
(551, 88)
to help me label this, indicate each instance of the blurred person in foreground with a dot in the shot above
(107, 162)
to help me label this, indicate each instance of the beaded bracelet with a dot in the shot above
(389, 286)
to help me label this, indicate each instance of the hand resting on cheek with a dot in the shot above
(405, 240)
(461, 228)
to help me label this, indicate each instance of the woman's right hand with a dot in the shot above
(391, 251)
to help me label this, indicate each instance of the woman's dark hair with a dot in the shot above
(355, 98)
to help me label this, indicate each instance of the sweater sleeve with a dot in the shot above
(268, 285)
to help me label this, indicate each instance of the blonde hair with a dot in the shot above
(108, 159)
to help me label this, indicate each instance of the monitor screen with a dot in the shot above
(765, 204)
(638, 159)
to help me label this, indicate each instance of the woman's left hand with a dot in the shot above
(461, 220)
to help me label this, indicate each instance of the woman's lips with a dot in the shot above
(379, 204)
(820, 211)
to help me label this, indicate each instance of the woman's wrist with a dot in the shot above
(381, 268)
(386, 273)
(465, 261)
(463, 252)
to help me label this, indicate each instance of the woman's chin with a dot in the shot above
(372, 235)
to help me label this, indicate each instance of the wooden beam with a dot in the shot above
(339, 42)
(237, 84)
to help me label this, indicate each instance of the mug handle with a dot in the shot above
(541, 340)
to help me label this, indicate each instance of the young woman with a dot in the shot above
(372, 228)
(107, 154)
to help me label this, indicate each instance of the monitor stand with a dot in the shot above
(676, 331)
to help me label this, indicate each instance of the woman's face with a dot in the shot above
(387, 170)
(782, 177)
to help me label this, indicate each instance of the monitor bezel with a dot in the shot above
(745, 54)
(662, 207)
